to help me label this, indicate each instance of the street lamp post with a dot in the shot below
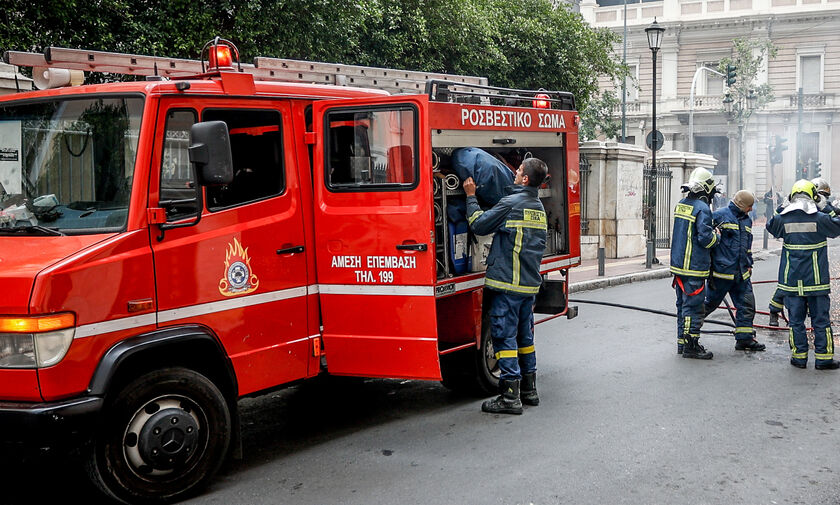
(654, 35)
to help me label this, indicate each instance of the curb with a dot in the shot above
(646, 275)
(605, 282)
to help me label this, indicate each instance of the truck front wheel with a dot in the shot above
(164, 436)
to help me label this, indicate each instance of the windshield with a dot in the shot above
(66, 166)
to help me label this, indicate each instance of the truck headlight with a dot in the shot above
(35, 341)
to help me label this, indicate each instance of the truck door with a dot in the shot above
(241, 271)
(374, 237)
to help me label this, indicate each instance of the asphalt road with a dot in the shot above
(623, 419)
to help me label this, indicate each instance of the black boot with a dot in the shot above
(694, 350)
(750, 344)
(529, 389)
(826, 364)
(774, 319)
(506, 403)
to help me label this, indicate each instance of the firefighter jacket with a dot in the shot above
(732, 258)
(520, 225)
(693, 237)
(803, 268)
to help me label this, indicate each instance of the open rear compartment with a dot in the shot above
(461, 256)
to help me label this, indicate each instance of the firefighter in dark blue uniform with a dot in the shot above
(804, 274)
(777, 303)
(732, 267)
(693, 237)
(513, 277)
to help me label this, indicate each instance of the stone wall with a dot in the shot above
(614, 195)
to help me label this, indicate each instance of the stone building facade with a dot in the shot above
(700, 33)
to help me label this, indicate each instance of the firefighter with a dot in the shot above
(513, 278)
(693, 238)
(803, 272)
(777, 303)
(732, 267)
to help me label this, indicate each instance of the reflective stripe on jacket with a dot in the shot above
(803, 269)
(692, 238)
(732, 259)
(520, 225)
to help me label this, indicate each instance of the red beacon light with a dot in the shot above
(541, 101)
(221, 57)
(220, 54)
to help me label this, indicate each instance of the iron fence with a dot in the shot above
(656, 203)
(585, 170)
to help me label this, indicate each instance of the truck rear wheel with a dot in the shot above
(164, 436)
(474, 371)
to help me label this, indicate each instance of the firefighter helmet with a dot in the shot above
(822, 186)
(700, 181)
(805, 187)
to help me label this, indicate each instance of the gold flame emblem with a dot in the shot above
(238, 278)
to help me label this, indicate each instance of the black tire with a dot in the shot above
(473, 371)
(163, 438)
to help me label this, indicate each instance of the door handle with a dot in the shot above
(413, 247)
(291, 250)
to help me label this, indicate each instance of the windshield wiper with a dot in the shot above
(32, 229)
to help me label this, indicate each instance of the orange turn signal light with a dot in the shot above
(36, 324)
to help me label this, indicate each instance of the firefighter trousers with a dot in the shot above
(512, 330)
(819, 307)
(690, 298)
(741, 293)
(777, 303)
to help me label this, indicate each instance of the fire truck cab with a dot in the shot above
(170, 246)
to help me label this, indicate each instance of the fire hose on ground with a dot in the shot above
(730, 310)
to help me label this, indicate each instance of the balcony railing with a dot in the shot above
(704, 102)
(634, 107)
(812, 100)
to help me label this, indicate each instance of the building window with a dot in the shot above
(630, 82)
(810, 150)
(713, 82)
(810, 73)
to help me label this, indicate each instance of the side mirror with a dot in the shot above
(210, 152)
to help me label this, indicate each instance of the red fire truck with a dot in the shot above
(217, 230)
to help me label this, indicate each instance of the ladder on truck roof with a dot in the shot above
(263, 69)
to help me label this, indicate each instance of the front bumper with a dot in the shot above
(48, 425)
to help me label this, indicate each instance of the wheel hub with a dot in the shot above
(168, 438)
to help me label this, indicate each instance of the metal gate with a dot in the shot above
(656, 203)
(585, 170)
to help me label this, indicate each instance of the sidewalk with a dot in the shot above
(625, 270)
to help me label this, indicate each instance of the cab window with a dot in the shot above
(256, 143)
(177, 176)
(371, 149)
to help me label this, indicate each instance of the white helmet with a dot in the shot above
(700, 181)
(822, 186)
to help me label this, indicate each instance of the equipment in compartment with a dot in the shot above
(479, 250)
(459, 250)
(491, 174)
(449, 200)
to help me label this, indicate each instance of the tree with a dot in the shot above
(528, 44)
(598, 118)
(748, 56)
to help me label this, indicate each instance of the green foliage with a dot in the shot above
(747, 56)
(598, 119)
(527, 44)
